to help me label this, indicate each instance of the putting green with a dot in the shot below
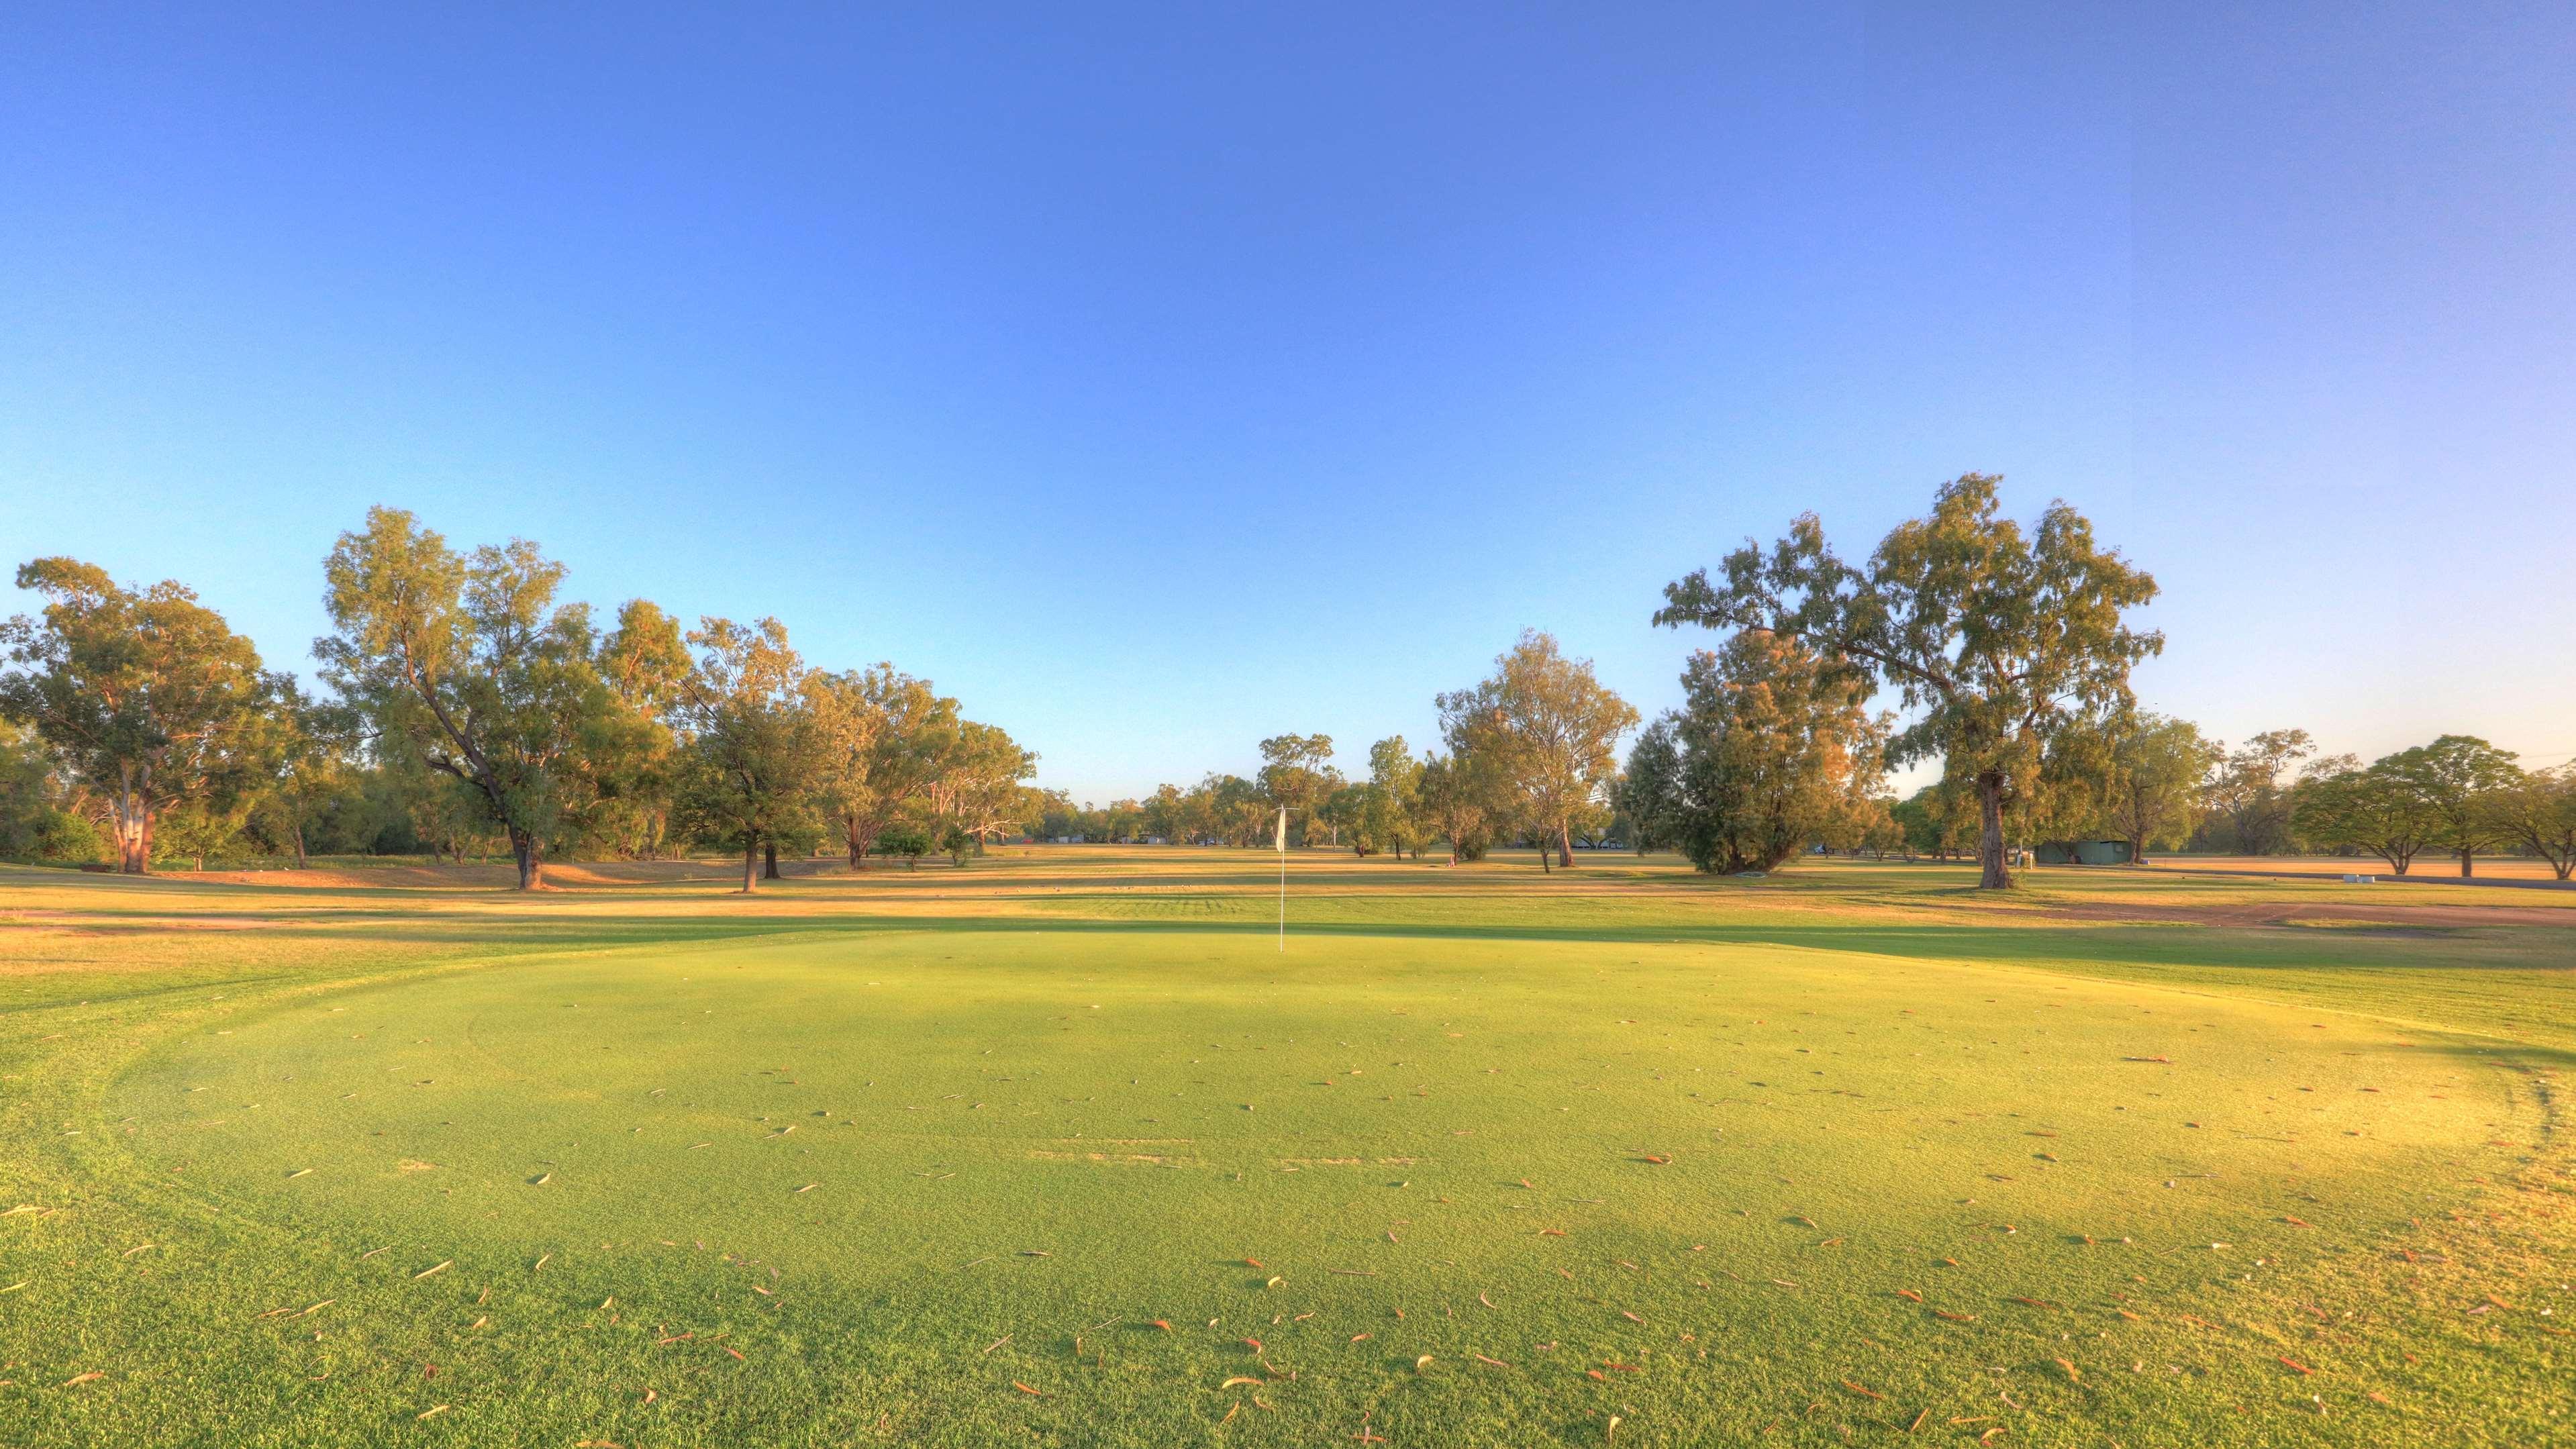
(1084, 1184)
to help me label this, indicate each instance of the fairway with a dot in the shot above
(1062, 1149)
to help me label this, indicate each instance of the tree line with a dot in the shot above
(2010, 650)
(1529, 753)
(465, 705)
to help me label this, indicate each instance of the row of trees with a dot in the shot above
(469, 699)
(2458, 795)
(467, 702)
(2153, 783)
(2012, 650)
(1528, 753)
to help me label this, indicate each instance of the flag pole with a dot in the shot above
(1283, 879)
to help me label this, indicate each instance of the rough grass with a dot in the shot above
(1061, 1149)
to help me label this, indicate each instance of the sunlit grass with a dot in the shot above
(1062, 1149)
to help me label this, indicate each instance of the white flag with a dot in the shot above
(1283, 830)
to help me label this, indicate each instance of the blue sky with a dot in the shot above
(1156, 379)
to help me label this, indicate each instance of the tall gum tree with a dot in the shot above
(750, 753)
(885, 739)
(1772, 752)
(2000, 638)
(2156, 779)
(469, 664)
(1549, 728)
(148, 698)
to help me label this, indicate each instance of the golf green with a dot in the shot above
(1013, 1178)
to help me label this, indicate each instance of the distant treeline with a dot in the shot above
(464, 709)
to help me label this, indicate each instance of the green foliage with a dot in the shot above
(2456, 793)
(2382, 810)
(467, 665)
(40, 819)
(1465, 801)
(1366, 818)
(1297, 775)
(908, 843)
(1545, 733)
(2248, 794)
(147, 700)
(2538, 812)
(749, 752)
(1773, 751)
(2001, 640)
(1939, 820)
(627, 757)
(886, 740)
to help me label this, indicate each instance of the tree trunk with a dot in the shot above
(532, 869)
(1564, 846)
(129, 823)
(769, 860)
(2464, 865)
(133, 845)
(1992, 873)
(299, 845)
(750, 869)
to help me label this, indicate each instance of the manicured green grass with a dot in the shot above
(1061, 1149)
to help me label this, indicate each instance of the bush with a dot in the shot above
(907, 842)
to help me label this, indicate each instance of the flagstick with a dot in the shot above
(1282, 841)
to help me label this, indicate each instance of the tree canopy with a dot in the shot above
(1999, 638)
(1772, 752)
(147, 697)
(1546, 730)
(467, 662)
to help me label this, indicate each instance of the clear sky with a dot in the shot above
(1159, 378)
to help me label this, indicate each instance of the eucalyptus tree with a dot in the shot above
(466, 663)
(978, 785)
(1297, 775)
(1465, 802)
(1393, 769)
(629, 753)
(309, 753)
(1773, 750)
(2384, 809)
(2250, 789)
(886, 739)
(1649, 790)
(1548, 729)
(2002, 639)
(750, 753)
(38, 816)
(2155, 780)
(147, 698)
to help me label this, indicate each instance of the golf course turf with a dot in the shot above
(1061, 1148)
